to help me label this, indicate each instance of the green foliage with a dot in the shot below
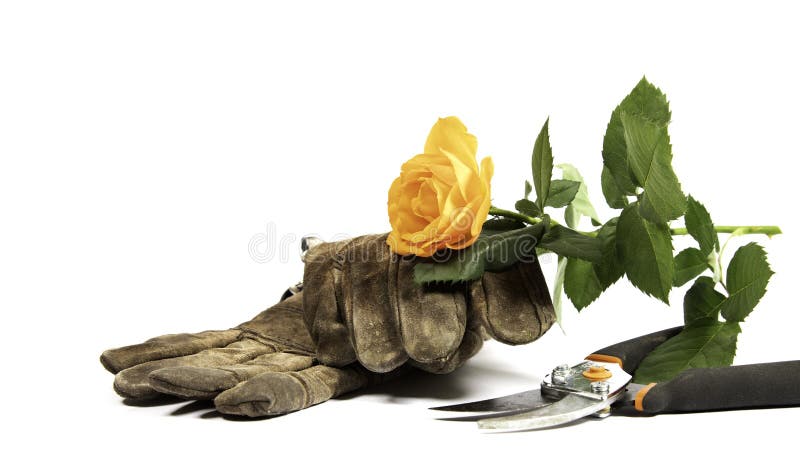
(702, 301)
(747, 278)
(568, 243)
(638, 179)
(688, 264)
(615, 157)
(650, 162)
(647, 101)
(580, 205)
(558, 289)
(706, 342)
(542, 165)
(571, 218)
(499, 225)
(562, 192)
(646, 252)
(611, 191)
(585, 281)
(528, 208)
(700, 227)
(490, 253)
(610, 268)
(581, 283)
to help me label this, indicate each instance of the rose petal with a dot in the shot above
(450, 134)
(425, 204)
(487, 171)
(465, 176)
(441, 198)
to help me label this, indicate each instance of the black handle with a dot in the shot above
(631, 352)
(750, 386)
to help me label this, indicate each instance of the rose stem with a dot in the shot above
(743, 230)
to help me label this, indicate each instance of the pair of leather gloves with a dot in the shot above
(359, 320)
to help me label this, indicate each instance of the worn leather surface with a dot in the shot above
(373, 312)
(359, 320)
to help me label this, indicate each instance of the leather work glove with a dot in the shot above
(262, 367)
(367, 308)
(359, 320)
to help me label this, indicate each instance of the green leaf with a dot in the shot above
(702, 301)
(581, 205)
(646, 252)
(615, 156)
(703, 343)
(644, 100)
(568, 243)
(610, 268)
(489, 253)
(614, 196)
(585, 281)
(527, 207)
(650, 161)
(562, 192)
(498, 225)
(699, 225)
(648, 101)
(528, 189)
(581, 283)
(571, 217)
(746, 281)
(542, 165)
(688, 264)
(558, 290)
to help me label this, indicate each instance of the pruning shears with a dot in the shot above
(601, 384)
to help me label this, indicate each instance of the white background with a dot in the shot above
(144, 144)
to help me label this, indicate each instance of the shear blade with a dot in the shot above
(527, 400)
(568, 409)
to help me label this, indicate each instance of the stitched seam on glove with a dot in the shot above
(282, 344)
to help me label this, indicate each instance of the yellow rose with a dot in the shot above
(441, 198)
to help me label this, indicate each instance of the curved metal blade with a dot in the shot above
(476, 416)
(568, 409)
(527, 400)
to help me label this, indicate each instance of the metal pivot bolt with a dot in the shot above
(560, 373)
(600, 387)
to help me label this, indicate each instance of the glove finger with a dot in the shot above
(134, 382)
(432, 318)
(320, 306)
(368, 308)
(469, 347)
(184, 344)
(514, 305)
(166, 346)
(274, 393)
(205, 383)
